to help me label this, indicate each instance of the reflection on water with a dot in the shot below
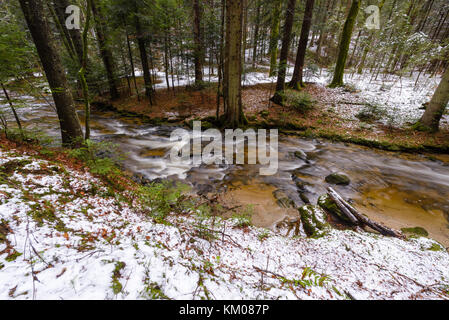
(399, 190)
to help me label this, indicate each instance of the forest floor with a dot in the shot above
(66, 233)
(377, 115)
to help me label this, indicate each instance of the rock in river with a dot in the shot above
(338, 178)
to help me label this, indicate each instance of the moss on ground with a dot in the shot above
(314, 220)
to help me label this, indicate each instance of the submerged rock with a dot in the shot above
(301, 155)
(314, 220)
(327, 204)
(338, 178)
(300, 184)
(304, 197)
(283, 200)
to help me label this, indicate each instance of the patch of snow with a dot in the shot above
(81, 259)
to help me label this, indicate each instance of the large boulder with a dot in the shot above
(338, 178)
(314, 221)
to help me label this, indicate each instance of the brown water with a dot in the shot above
(399, 190)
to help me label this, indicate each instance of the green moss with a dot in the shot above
(435, 247)
(13, 256)
(47, 213)
(327, 204)
(298, 100)
(338, 179)
(116, 286)
(314, 221)
(11, 166)
(418, 231)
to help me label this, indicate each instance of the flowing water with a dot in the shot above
(400, 190)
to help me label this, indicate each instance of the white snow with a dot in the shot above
(176, 260)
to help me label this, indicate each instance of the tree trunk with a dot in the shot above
(105, 51)
(283, 59)
(131, 61)
(33, 11)
(297, 79)
(82, 72)
(274, 36)
(166, 61)
(198, 40)
(143, 57)
(344, 44)
(256, 33)
(431, 119)
(19, 124)
(233, 64)
(220, 87)
(73, 36)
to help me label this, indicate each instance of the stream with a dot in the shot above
(399, 190)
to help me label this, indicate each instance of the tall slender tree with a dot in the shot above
(283, 59)
(343, 49)
(198, 43)
(141, 42)
(72, 36)
(256, 32)
(105, 51)
(297, 79)
(34, 13)
(274, 35)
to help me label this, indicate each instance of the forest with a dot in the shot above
(347, 100)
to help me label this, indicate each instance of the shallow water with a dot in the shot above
(400, 190)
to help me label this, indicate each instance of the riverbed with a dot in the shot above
(399, 190)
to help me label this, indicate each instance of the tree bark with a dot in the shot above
(233, 64)
(82, 72)
(131, 61)
(198, 41)
(297, 79)
(105, 51)
(73, 36)
(19, 124)
(286, 40)
(143, 56)
(274, 36)
(256, 33)
(352, 213)
(431, 119)
(33, 11)
(337, 80)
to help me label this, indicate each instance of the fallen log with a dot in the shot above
(345, 207)
(340, 204)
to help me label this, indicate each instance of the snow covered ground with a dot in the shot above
(67, 237)
(399, 99)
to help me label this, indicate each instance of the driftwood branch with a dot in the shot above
(346, 208)
(340, 204)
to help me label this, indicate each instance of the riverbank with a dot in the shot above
(342, 114)
(67, 233)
